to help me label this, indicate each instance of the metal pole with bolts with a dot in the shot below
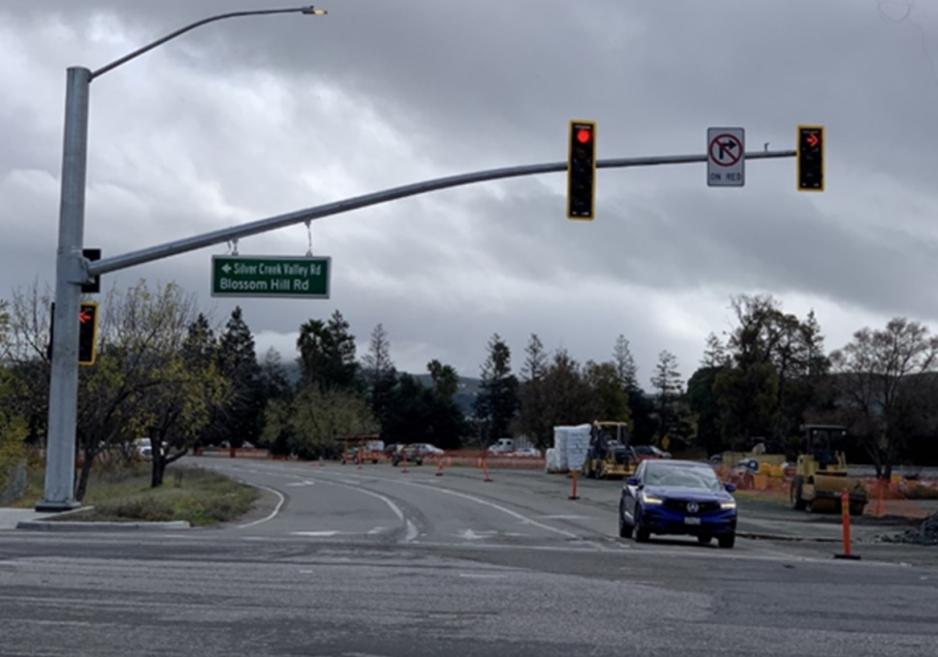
(71, 269)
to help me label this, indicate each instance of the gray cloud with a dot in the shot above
(250, 118)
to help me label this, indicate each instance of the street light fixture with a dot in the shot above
(71, 269)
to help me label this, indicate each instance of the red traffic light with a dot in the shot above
(812, 139)
(583, 135)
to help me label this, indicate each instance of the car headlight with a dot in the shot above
(651, 499)
(728, 504)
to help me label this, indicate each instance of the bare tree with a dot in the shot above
(876, 378)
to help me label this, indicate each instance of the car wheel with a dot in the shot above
(703, 539)
(419, 461)
(625, 529)
(797, 503)
(727, 541)
(641, 532)
(856, 508)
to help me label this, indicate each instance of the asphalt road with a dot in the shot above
(341, 561)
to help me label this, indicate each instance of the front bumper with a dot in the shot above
(660, 520)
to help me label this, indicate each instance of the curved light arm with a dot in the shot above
(308, 9)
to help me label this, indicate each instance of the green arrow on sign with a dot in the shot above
(305, 277)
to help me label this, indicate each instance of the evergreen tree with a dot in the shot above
(237, 362)
(497, 402)
(445, 380)
(567, 396)
(609, 401)
(199, 353)
(533, 416)
(379, 375)
(667, 385)
(327, 354)
(714, 353)
(626, 371)
(274, 382)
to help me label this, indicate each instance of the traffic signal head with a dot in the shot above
(810, 158)
(581, 170)
(87, 332)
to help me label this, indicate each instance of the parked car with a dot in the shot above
(649, 452)
(426, 449)
(677, 497)
(143, 449)
(502, 446)
(410, 452)
(528, 452)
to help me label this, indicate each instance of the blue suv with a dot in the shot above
(677, 497)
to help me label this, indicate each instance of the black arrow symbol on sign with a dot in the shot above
(726, 146)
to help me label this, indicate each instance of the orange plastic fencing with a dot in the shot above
(912, 499)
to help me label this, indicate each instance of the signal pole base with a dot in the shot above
(852, 557)
(44, 506)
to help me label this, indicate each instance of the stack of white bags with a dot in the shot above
(570, 447)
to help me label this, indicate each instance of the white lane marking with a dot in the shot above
(273, 513)
(470, 535)
(305, 482)
(482, 575)
(514, 514)
(411, 528)
(315, 534)
(562, 516)
(498, 507)
(377, 530)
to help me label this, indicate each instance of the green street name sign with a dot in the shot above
(271, 276)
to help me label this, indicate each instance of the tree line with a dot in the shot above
(165, 372)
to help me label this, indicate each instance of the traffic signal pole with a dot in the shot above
(70, 273)
(224, 235)
(72, 270)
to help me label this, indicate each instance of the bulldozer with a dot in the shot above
(609, 454)
(821, 472)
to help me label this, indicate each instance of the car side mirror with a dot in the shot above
(730, 488)
(632, 481)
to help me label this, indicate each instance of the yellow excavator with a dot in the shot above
(609, 454)
(821, 474)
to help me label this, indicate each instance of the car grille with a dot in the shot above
(681, 505)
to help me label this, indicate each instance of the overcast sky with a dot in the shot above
(249, 118)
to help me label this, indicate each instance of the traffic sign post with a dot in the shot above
(726, 157)
(304, 277)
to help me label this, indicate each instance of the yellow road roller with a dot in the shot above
(821, 474)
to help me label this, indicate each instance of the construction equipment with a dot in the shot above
(821, 474)
(609, 452)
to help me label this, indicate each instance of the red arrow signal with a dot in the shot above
(812, 139)
(84, 317)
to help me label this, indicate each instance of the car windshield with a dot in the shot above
(689, 477)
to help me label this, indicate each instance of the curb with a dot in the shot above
(783, 537)
(72, 526)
